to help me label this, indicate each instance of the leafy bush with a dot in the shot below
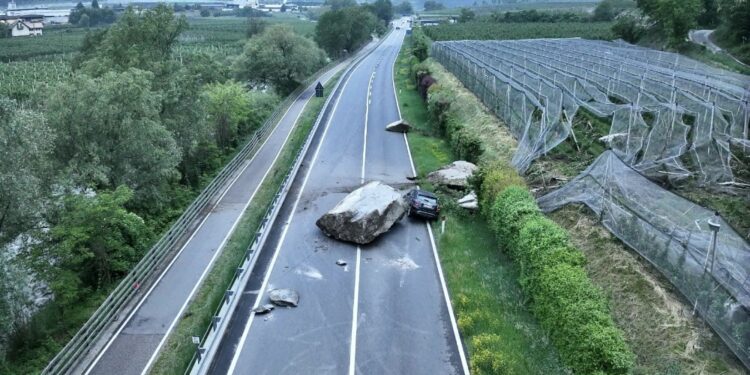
(492, 178)
(572, 310)
(486, 360)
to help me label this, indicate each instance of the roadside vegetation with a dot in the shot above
(495, 321)
(654, 328)
(107, 145)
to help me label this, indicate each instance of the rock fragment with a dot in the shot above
(469, 201)
(284, 297)
(454, 175)
(399, 126)
(264, 309)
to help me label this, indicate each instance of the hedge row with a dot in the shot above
(574, 312)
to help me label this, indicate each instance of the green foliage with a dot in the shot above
(493, 178)
(569, 306)
(255, 26)
(676, 17)
(94, 241)
(279, 57)
(25, 148)
(404, 8)
(149, 37)
(342, 31)
(534, 15)
(735, 26)
(340, 4)
(420, 44)
(629, 27)
(93, 16)
(521, 30)
(110, 133)
(466, 15)
(433, 5)
(235, 112)
(383, 9)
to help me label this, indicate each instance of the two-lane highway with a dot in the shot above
(133, 348)
(387, 310)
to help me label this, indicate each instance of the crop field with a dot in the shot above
(20, 79)
(220, 35)
(673, 120)
(521, 30)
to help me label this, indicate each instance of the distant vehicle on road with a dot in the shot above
(423, 203)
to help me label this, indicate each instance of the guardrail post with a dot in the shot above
(216, 320)
(227, 295)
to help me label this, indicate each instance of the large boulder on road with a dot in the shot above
(454, 175)
(364, 214)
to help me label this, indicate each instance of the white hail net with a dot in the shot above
(672, 118)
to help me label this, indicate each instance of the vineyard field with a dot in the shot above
(526, 30)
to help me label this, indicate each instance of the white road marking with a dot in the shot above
(355, 312)
(446, 295)
(169, 266)
(243, 338)
(355, 303)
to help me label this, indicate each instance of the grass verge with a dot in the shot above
(490, 307)
(179, 349)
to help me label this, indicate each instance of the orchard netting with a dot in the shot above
(672, 118)
(676, 236)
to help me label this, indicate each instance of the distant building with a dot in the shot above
(28, 25)
(48, 15)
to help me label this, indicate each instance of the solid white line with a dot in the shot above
(169, 266)
(355, 312)
(446, 295)
(243, 338)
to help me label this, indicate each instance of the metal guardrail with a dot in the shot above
(210, 340)
(109, 311)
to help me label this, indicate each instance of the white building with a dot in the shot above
(22, 25)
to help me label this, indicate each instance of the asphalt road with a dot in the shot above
(386, 311)
(134, 347)
(703, 37)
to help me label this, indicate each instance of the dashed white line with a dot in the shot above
(355, 303)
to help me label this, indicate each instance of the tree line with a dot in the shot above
(97, 166)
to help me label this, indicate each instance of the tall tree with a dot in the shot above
(110, 133)
(26, 145)
(345, 30)
(677, 17)
(138, 40)
(383, 9)
(94, 240)
(279, 57)
(404, 8)
(228, 106)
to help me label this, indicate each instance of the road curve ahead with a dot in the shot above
(135, 345)
(386, 311)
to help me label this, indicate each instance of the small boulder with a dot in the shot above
(399, 126)
(364, 214)
(469, 201)
(284, 297)
(454, 175)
